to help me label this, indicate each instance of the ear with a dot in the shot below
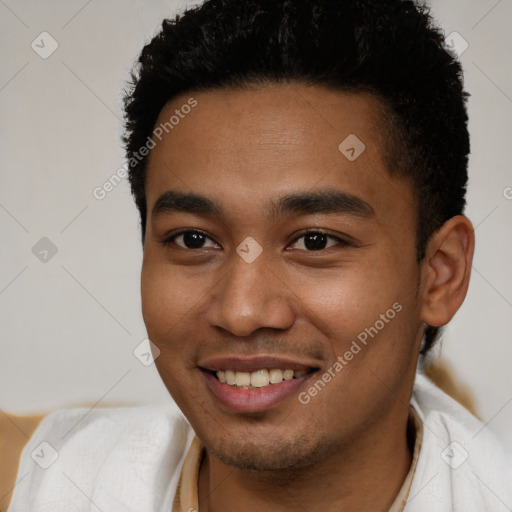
(446, 270)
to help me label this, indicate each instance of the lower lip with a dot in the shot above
(255, 399)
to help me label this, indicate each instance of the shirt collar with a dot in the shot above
(186, 498)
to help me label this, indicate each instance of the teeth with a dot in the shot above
(242, 379)
(288, 375)
(260, 379)
(230, 378)
(275, 376)
(257, 379)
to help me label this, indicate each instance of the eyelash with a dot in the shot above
(341, 242)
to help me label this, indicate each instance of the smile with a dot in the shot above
(258, 379)
(257, 384)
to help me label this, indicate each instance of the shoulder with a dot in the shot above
(114, 454)
(462, 463)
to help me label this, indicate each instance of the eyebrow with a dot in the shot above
(327, 201)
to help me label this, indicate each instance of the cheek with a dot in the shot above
(167, 298)
(374, 306)
(154, 299)
(167, 301)
(347, 300)
(371, 330)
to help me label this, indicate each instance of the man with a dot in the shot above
(300, 172)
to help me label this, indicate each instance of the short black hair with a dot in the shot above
(391, 49)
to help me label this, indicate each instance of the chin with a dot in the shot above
(270, 454)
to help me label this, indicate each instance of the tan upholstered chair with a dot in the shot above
(14, 433)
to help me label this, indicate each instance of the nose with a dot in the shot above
(249, 297)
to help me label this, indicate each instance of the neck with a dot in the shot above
(365, 474)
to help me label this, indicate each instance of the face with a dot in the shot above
(284, 263)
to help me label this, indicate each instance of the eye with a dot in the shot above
(189, 239)
(315, 240)
(312, 240)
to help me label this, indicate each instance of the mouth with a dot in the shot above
(258, 379)
(255, 385)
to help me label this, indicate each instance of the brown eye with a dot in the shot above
(318, 241)
(190, 239)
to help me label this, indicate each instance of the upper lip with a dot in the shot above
(252, 364)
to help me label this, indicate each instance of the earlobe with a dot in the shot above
(446, 270)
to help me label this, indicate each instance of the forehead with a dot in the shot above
(244, 147)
